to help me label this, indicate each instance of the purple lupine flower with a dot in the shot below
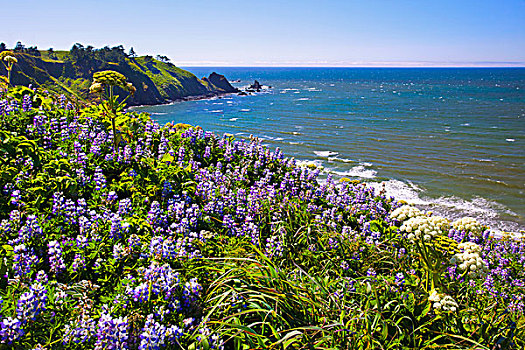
(207, 152)
(10, 330)
(99, 179)
(56, 261)
(26, 103)
(400, 279)
(79, 331)
(111, 333)
(155, 336)
(32, 303)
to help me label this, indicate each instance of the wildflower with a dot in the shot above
(10, 59)
(469, 259)
(405, 212)
(400, 279)
(442, 301)
(424, 228)
(468, 224)
(10, 330)
(55, 257)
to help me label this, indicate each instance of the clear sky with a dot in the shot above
(281, 32)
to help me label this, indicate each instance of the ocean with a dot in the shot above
(449, 140)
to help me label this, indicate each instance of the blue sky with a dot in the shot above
(281, 33)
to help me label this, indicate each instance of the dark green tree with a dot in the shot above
(19, 47)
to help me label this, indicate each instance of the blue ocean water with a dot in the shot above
(451, 140)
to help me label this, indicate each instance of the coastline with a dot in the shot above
(185, 99)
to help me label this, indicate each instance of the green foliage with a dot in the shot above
(311, 267)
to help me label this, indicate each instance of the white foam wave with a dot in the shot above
(407, 192)
(325, 153)
(233, 119)
(217, 111)
(510, 140)
(245, 110)
(485, 211)
(344, 160)
(303, 99)
(271, 138)
(358, 171)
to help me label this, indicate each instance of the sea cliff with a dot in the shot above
(157, 81)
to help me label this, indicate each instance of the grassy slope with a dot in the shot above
(156, 81)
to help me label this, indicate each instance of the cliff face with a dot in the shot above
(156, 82)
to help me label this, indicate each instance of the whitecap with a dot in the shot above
(510, 140)
(400, 190)
(325, 153)
(233, 119)
(358, 171)
(245, 110)
(217, 111)
(303, 99)
(343, 160)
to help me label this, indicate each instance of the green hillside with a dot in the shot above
(157, 81)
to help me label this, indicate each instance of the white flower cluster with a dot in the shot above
(424, 227)
(442, 301)
(469, 259)
(467, 224)
(405, 212)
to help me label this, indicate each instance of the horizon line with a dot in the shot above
(421, 64)
(349, 66)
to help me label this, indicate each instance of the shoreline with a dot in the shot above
(186, 99)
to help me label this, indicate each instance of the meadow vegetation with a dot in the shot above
(119, 233)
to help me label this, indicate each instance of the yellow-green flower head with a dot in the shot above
(4, 54)
(111, 78)
(95, 88)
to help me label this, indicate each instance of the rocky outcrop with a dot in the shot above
(220, 84)
(256, 86)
